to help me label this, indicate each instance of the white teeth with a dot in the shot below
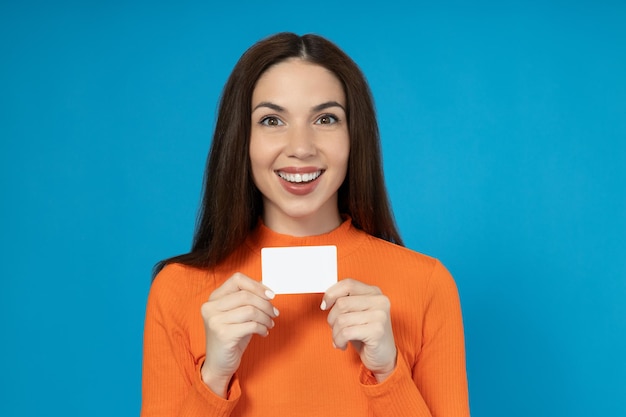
(308, 177)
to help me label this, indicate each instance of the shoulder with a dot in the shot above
(425, 270)
(400, 254)
(176, 284)
(179, 275)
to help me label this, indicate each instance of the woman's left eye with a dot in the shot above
(327, 119)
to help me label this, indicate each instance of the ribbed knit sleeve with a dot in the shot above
(397, 396)
(437, 385)
(440, 368)
(170, 386)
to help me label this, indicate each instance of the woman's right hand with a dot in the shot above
(236, 310)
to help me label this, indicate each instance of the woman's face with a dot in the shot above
(299, 146)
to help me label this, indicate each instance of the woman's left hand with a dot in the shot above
(359, 313)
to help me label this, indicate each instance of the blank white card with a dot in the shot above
(299, 269)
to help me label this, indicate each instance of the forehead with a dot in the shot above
(297, 79)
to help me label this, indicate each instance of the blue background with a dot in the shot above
(504, 138)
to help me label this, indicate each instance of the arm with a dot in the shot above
(172, 383)
(440, 372)
(360, 315)
(436, 386)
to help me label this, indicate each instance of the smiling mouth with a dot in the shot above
(300, 178)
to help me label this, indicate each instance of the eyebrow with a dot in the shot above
(327, 105)
(272, 106)
(281, 109)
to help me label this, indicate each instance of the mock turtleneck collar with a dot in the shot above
(346, 237)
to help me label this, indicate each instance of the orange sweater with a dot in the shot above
(295, 371)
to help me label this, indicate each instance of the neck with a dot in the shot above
(302, 226)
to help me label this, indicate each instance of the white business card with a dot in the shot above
(299, 269)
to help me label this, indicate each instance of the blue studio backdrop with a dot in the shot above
(504, 138)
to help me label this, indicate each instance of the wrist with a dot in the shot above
(219, 384)
(380, 377)
(383, 374)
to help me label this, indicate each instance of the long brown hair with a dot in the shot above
(231, 204)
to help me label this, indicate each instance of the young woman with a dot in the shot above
(295, 161)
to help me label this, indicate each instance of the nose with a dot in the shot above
(301, 142)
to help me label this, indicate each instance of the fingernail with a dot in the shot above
(334, 345)
(269, 294)
(273, 324)
(276, 312)
(323, 305)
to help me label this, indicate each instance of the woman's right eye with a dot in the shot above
(271, 121)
